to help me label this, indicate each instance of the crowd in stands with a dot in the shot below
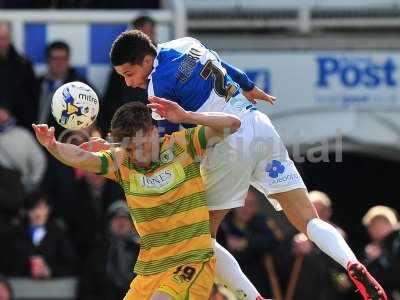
(57, 222)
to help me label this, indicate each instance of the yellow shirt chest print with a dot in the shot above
(159, 182)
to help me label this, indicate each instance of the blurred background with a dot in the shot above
(334, 66)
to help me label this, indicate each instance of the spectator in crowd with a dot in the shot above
(94, 195)
(309, 267)
(117, 92)
(41, 247)
(246, 234)
(11, 199)
(22, 166)
(59, 71)
(382, 255)
(18, 84)
(19, 151)
(108, 271)
(15, 157)
(146, 25)
(6, 292)
(58, 177)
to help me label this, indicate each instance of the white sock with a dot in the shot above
(229, 271)
(329, 240)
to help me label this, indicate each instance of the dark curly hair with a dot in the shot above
(131, 47)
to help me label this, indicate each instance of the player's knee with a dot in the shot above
(297, 207)
(216, 218)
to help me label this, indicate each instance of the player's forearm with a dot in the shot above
(75, 157)
(215, 120)
(238, 76)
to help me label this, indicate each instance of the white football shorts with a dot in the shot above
(255, 155)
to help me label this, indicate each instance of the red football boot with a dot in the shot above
(369, 288)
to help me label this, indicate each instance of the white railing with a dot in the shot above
(60, 289)
(267, 4)
(171, 22)
(301, 15)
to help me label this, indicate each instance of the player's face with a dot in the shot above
(136, 76)
(144, 148)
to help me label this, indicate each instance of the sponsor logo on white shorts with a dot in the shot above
(275, 168)
(276, 172)
(286, 178)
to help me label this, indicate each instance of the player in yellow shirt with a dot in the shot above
(164, 191)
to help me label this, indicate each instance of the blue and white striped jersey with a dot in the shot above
(187, 72)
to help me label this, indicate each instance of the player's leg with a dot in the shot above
(227, 183)
(301, 213)
(228, 269)
(216, 217)
(279, 179)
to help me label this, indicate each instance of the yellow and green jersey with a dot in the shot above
(167, 202)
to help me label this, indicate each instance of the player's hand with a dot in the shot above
(168, 109)
(95, 144)
(45, 135)
(258, 94)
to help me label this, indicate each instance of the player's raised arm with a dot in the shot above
(238, 76)
(249, 89)
(216, 124)
(68, 154)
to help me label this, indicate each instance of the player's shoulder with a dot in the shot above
(181, 44)
(177, 137)
(116, 155)
(179, 48)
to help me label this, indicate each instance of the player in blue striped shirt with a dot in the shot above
(187, 72)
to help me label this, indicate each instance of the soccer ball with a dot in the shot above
(75, 105)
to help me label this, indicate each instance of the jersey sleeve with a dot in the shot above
(238, 76)
(109, 168)
(195, 139)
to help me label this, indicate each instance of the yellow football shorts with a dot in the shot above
(192, 281)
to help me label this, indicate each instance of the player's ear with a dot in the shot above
(148, 61)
